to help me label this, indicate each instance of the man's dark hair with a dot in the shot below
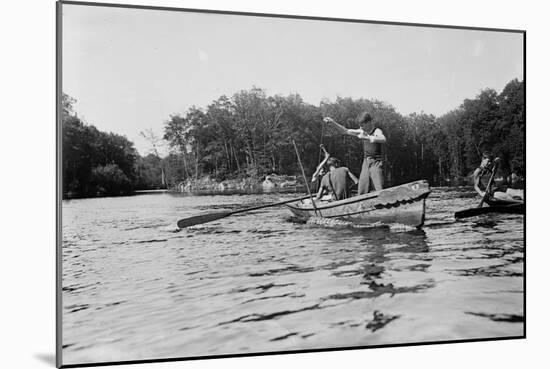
(333, 162)
(363, 118)
(487, 154)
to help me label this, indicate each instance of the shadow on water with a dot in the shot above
(383, 241)
(484, 223)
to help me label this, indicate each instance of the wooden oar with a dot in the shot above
(210, 217)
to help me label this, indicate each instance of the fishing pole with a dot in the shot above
(305, 178)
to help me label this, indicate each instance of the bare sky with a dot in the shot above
(129, 69)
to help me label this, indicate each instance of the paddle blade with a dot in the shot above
(200, 219)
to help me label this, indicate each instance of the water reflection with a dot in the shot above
(384, 250)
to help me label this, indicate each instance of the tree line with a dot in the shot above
(249, 135)
(96, 163)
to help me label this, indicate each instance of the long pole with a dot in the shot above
(305, 178)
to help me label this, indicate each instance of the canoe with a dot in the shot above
(494, 206)
(506, 209)
(511, 206)
(404, 204)
(499, 202)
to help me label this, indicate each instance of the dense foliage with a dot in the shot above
(96, 163)
(249, 135)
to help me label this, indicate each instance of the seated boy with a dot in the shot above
(335, 182)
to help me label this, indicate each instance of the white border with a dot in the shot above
(27, 30)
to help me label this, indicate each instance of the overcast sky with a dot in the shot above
(130, 69)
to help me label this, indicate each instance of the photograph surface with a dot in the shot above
(237, 184)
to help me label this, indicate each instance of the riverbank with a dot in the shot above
(269, 182)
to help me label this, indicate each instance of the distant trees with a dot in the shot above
(249, 135)
(493, 122)
(149, 173)
(94, 162)
(246, 135)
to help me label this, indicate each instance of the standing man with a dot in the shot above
(373, 138)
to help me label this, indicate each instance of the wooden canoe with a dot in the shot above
(404, 204)
(494, 206)
(497, 202)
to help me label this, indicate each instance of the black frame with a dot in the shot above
(59, 331)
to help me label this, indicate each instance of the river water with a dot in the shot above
(136, 288)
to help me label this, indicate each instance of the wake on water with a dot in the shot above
(339, 223)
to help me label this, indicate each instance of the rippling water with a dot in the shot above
(135, 288)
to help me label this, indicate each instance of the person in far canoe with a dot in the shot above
(335, 182)
(373, 138)
(482, 174)
(516, 184)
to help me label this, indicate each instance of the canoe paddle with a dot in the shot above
(210, 217)
(489, 184)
